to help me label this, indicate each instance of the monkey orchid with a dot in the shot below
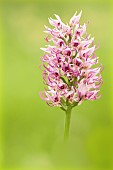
(69, 72)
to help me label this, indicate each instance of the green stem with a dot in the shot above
(67, 122)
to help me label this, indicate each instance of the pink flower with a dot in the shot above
(69, 72)
(75, 19)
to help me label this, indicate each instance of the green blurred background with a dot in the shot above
(32, 132)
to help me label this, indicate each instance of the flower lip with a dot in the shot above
(68, 53)
(61, 43)
(75, 44)
(56, 99)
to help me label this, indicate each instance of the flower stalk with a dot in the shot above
(67, 122)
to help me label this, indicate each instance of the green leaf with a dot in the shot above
(74, 104)
(63, 101)
(74, 55)
(67, 103)
(63, 79)
(64, 40)
(75, 79)
(63, 109)
(69, 40)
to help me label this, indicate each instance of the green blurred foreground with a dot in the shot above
(32, 133)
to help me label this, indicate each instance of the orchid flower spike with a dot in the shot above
(70, 71)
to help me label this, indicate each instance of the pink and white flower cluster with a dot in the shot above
(69, 62)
